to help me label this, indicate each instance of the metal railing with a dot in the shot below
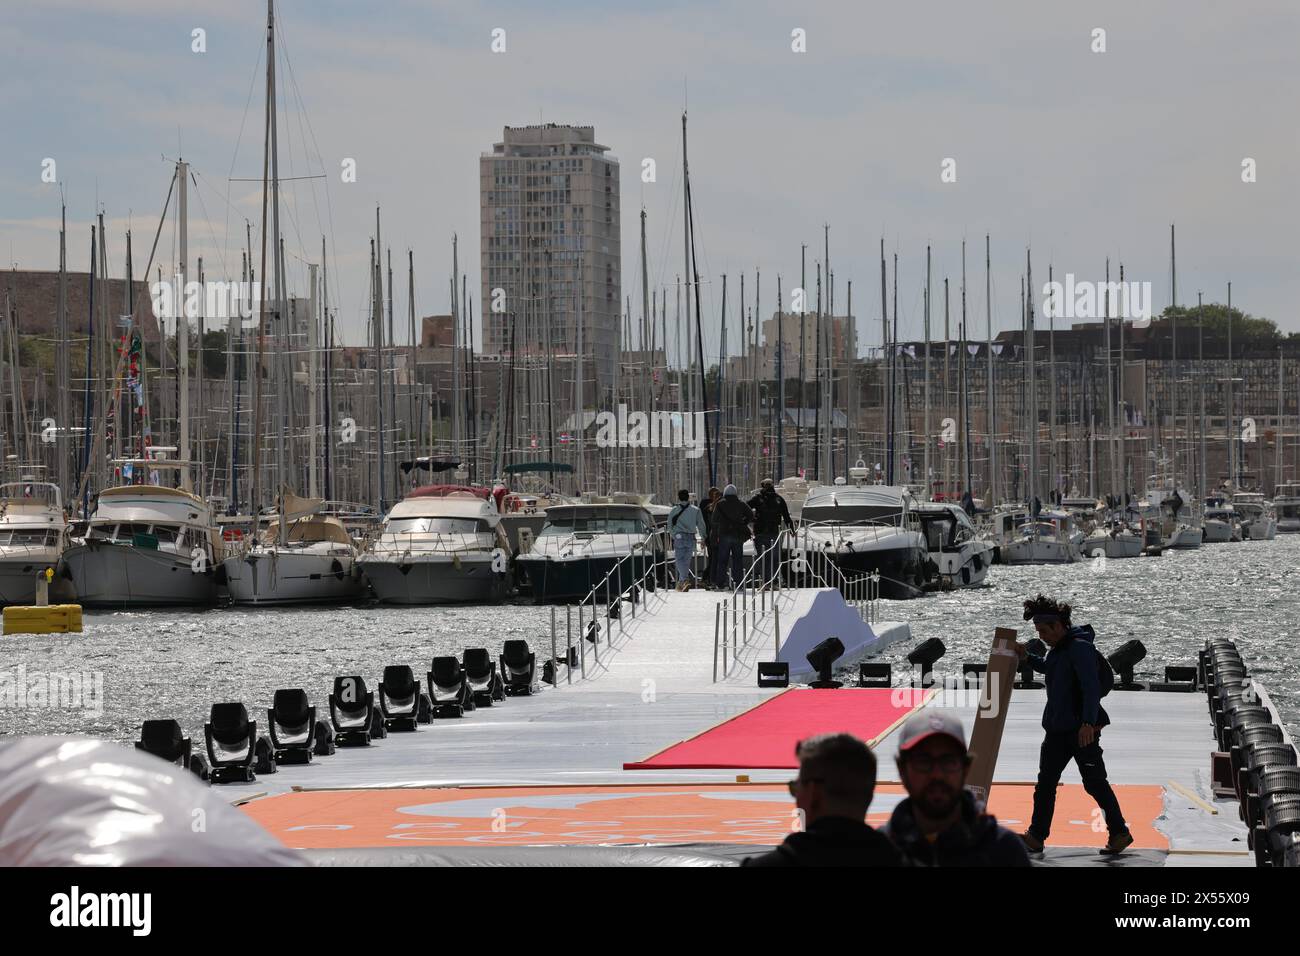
(738, 616)
(616, 596)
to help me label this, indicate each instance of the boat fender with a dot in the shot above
(978, 561)
(593, 632)
(614, 611)
(336, 568)
(965, 573)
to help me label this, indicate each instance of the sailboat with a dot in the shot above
(315, 563)
(304, 556)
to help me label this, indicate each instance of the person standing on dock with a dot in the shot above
(1073, 719)
(711, 535)
(940, 824)
(770, 512)
(685, 524)
(733, 519)
(837, 779)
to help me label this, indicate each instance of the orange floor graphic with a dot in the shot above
(632, 814)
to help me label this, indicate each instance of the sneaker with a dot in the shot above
(1117, 844)
(1031, 842)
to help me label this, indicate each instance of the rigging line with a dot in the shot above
(302, 111)
(239, 138)
(207, 221)
(669, 232)
(283, 179)
(337, 287)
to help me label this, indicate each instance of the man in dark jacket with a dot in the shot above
(711, 536)
(940, 824)
(770, 512)
(837, 777)
(733, 519)
(1073, 719)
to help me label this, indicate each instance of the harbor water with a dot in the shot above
(153, 664)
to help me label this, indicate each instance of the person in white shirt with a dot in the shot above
(685, 522)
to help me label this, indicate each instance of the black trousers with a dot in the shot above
(1057, 751)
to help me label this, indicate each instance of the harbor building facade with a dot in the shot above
(550, 250)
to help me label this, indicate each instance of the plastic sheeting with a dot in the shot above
(75, 801)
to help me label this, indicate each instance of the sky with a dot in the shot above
(1073, 154)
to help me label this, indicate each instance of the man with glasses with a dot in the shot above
(837, 777)
(940, 824)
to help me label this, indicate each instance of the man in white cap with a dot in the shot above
(940, 823)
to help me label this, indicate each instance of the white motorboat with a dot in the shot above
(146, 546)
(961, 557)
(1286, 505)
(864, 529)
(1221, 523)
(311, 561)
(33, 535)
(580, 544)
(1258, 522)
(440, 545)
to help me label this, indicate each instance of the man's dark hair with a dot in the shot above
(683, 495)
(1045, 605)
(843, 763)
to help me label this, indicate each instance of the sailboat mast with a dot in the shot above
(780, 383)
(1032, 388)
(63, 366)
(183, 325)
(1230, 427)
(255, 502)
(925, 439)
(991, 414)
(693, 266)
(886, 376)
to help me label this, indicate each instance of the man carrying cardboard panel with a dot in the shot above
(1076, 677)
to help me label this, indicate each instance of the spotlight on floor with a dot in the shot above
(822, 659)
(1025, 679)
(1123, 661)
(924, 656)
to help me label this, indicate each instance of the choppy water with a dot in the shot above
(177, 663)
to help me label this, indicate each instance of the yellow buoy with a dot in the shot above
(50, 619)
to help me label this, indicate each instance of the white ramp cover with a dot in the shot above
(829, 615)
(74, 801)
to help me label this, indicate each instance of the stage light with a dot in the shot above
(822, 659)
(1124, 660)
(925, 655)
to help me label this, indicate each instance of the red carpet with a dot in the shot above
(764, 738)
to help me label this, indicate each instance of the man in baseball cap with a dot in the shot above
(939, 823)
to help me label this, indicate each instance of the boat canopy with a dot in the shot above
(446, 491)
(318, 528)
